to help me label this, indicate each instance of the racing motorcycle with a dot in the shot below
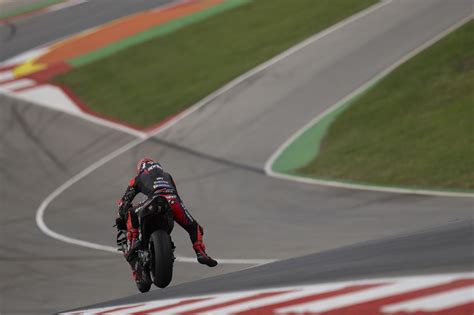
(154, 258)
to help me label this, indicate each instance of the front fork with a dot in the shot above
(144, 258)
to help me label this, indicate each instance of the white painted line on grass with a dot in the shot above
(43, 206)
(268, 165)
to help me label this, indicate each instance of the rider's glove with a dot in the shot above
(122, 211)
(120, 223)
(123, 207)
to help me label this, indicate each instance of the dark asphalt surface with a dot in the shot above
(41, 149)
(411, 254)
(27, 33)
(217, 156)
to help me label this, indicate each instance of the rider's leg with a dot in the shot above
(132, 228)
(195, 231)
(132, 237)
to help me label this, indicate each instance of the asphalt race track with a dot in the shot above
(20, 35)
(217, 155)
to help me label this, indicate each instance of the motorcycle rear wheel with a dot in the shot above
(161, 264)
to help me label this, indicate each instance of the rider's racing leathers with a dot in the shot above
(153, 179)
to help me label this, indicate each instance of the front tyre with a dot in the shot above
(161, 264)
(143, 279)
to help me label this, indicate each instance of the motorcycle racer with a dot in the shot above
(152, 179)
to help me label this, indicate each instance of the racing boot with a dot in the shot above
(202, 256)
(200, 248)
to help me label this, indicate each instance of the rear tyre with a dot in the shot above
(161, 252)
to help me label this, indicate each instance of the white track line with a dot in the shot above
(45, 229)
(82, 115)
(25, 56)
(291, 295)
(179, 309)
(18, 84)
(268, 165)
(6, 76)
(215, 302)
(434, 302)
(43, 206)
(359, 297)
(65, 5)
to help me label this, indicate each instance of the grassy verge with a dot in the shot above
(414, 128)
(154, 80)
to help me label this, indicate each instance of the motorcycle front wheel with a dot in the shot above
(143, 280)
(161, 254)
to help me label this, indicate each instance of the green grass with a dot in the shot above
(414, 128)
(144, 84)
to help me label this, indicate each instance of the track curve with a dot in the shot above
(231, 168)
(226, 142)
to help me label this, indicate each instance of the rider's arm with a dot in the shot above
(170, 179)
(129, 195)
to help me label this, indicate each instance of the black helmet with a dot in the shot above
(143, 163)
